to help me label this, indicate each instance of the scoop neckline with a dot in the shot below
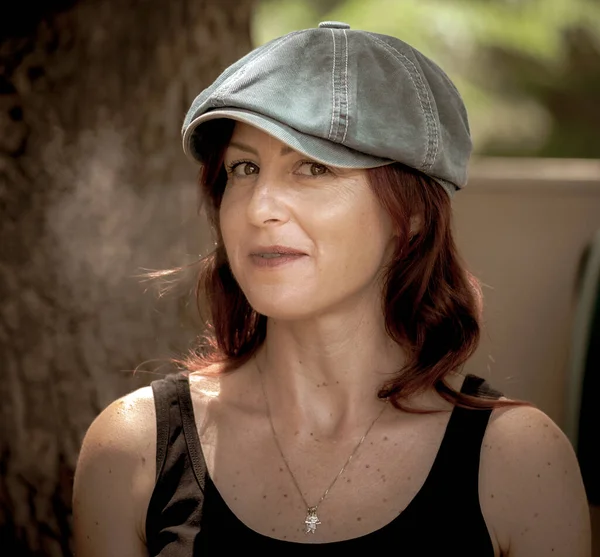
(374, 533)
(270, 539)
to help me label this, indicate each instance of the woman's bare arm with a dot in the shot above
(532, 487)
(114, 479)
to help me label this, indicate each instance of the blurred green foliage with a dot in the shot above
(528, 70)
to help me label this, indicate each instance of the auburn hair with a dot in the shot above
(431, 303)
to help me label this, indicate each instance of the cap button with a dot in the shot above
(333, 25)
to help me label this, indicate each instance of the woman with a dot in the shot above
(327, 411)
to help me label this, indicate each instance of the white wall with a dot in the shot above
(522, 225)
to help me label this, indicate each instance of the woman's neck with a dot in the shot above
(324, 374)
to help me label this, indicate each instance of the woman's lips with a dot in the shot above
(274, 255)
(275, 259)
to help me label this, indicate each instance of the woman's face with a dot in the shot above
(302, 239)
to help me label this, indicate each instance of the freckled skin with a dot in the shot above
(531, 493)
(330, 214)
(533, 507)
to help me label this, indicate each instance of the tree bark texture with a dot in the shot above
(94, 189)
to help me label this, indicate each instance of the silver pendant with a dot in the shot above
(311, 521)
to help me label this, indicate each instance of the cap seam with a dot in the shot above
(429, 121)
(340, 102)
(346, 88)
(332, 86)
(339, 92)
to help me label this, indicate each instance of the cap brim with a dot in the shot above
(316, 148)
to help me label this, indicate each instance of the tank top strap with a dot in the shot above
(177, 499)
(165, 402)
(190, 430)
(455, 471)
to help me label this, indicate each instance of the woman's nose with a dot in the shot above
(267, 204)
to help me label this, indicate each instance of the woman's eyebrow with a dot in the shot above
(285, 150)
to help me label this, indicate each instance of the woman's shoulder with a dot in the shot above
(531, 486)
(115, 472)
(527, 437)
(124, 425)
(129, 424)
(122, 439)
(120, 443)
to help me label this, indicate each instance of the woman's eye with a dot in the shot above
(314, 168)
(242, 168)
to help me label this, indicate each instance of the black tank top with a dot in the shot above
(187, 516)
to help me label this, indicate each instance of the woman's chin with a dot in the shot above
(284, 310)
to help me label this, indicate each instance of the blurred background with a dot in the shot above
(95, 191)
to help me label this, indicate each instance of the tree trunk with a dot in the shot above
(94, 189)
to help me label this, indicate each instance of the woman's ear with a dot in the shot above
(416, 222)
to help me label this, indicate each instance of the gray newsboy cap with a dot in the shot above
(346, 98)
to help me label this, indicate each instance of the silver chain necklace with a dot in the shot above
(312, 520)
